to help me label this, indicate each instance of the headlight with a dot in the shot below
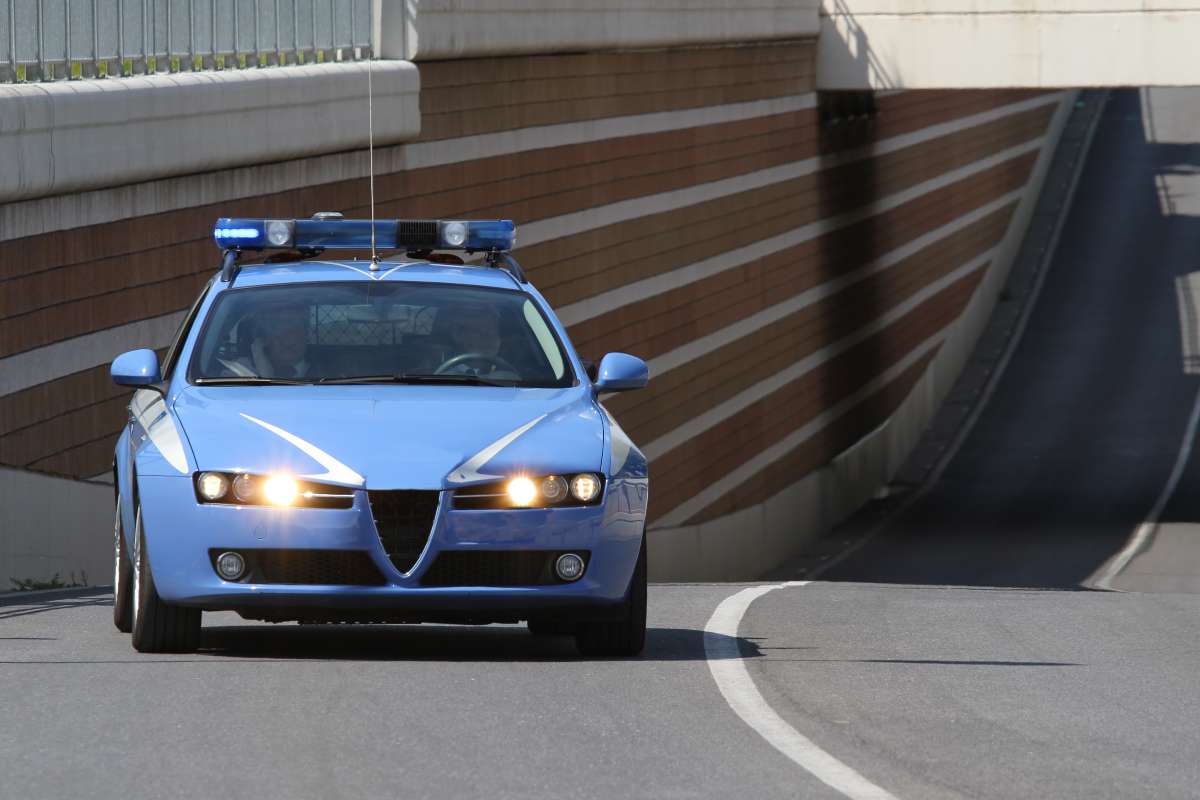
(553, 488)
(243, 489)
(522, 492)
(542, 491)
(212, 485)
(585, 487)
(280, 490)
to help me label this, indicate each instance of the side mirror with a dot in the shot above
(138, 368)
(620, 372)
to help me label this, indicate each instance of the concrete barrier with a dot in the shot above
(72, 136)
(52, 525)
(439, 29)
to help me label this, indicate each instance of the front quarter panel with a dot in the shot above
(629, 482)
(158, 441)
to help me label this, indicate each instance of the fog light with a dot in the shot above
(569, 567)
(231, 566)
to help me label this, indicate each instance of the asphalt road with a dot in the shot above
(961, 652)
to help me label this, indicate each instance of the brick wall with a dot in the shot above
(788, 282)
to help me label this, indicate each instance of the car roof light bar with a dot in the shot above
(324, 232)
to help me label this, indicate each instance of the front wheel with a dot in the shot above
(625, 636)
(158, 627)
(122, 578)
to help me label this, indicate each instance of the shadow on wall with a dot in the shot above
(845, 57)
(847, 123)
(1078, 441)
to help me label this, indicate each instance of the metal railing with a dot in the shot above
(46, 40)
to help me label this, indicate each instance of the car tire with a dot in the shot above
(122, 578)
(158, 627)
(625, 636)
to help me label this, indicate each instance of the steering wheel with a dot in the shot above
(496, 362)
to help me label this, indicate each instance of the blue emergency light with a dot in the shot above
(324, 232)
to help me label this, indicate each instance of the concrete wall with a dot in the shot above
(797, 280)
(425, 30)
(51, 526)
(66, 137)
(937, 44)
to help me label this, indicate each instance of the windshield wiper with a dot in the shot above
(418, 377)
(251, 380)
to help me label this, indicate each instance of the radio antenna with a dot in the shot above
(371, 158)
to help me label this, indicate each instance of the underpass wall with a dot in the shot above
(792, 281)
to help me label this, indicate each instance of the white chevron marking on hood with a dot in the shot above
(337, 471)
(469, 469)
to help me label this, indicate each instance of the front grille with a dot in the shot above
(325, 567)
(495, 568)
(404, 520)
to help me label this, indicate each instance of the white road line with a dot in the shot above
(737, 687)
(1145, 532)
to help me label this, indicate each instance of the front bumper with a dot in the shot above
(180, 533)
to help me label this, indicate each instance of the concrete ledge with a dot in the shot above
(957, 44)
(439, 29)
(70, 136)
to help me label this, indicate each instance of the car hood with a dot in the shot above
(392, 437)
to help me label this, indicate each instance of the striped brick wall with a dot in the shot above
(788, 285)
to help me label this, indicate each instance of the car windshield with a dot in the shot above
(368, 332)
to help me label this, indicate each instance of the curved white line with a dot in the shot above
(1145, 532)
(336, 470)
(469, 469)
(729, 671)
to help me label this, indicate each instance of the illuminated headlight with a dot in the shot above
(213, 485)
(454, 234)
(243, 489)
(280, 490)
(522, 492)
(586, 487)
(279, 233)
(542, 491)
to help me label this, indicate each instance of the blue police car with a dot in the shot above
(404, 440)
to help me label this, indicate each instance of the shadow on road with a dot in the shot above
(21, 604)
(432, 643)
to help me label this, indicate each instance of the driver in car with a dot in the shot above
(475, 337)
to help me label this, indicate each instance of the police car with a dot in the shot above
(377, 441)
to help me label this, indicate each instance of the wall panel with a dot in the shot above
(789, 283)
